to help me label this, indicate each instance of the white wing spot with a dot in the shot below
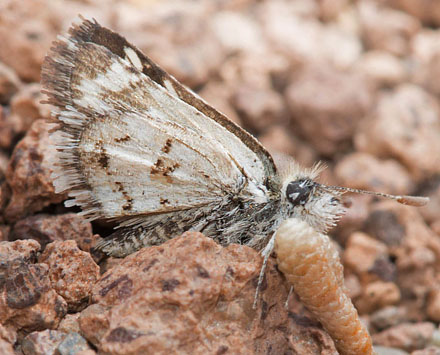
(133, 58)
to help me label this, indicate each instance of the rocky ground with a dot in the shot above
(352, 83)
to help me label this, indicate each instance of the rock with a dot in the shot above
(24, 48)
(219, 96)
(42, 343)
(47, 228)
(72, 344)
(70, 323)
(406, 336)
(386, 29)
(249, 79)
(9, 83)
(364, 171)
(25, 250)
(187, 47)
(7, 132)
(415, 249)
(259, 108)
(278, 139)
(27, 300)
(377, 295)
(355, 217)
(331, 9)
(94, 323)
(72, 272)
(430, 350)
(8, 337)
(385, 350)
(28, 174)
(404, 126)
(304, 40)
(362, 251)
(382, 68)
(325, 116)
(26, 108)
(389, 316)
(197, 290)
(6, 348)
(238, 32)
(433, 305)
(425, 58)
(427, 11)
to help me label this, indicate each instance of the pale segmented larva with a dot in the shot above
(311, 264)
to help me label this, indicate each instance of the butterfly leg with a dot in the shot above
(266, 254)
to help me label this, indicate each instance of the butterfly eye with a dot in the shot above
(298, 191)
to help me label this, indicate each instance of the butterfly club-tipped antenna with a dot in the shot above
(415, 201)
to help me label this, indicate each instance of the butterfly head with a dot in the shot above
(299, 191)
(321, 205)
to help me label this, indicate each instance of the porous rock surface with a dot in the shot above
(192, 296)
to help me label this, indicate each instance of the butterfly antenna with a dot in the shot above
(416, 201)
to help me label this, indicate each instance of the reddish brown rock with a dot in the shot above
(301, 38)
(24, 48)
(249, 79)
(406, 336)
(428, 11)
(364, 171)
(388, 316)
(196, 290)
(6, 348)
(237, 32)
(27, 300)
(278, 139)
(28, 174)
(94, 323)
(415, 249)
(386, 29)
(425, 59)
(46, 229)
(73, 343)
(219, 96)
(42, 343)
(186, 48)
(26, 107)
(382, 68)
(259, 108)
(20, 249)
(376, 295)
(7, 125)
(8, 337)
(362, 252)
(328, 117)
(354, 218)
(331, 9)
(430, 350)
(70, 323)
(9, 83)
(72, 272)
(433, 305)
(404, 126)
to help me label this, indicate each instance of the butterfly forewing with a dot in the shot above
(133, 141)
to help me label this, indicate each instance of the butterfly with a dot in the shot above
(136, 146)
